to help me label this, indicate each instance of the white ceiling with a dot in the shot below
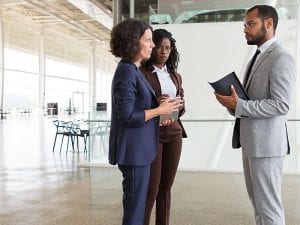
(83, 19)
(67, 25)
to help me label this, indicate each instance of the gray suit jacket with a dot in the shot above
(270, 87)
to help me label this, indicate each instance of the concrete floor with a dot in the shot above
(41, 188)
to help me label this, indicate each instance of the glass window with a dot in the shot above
(62, 91)
(20, 60)
(183, 11)
(142, 9)
(21, 90)
(20, 79)
(57, 68)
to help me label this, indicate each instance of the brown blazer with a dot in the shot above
(177, 126)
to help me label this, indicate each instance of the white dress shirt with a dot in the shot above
(167, 85)
(264, 47)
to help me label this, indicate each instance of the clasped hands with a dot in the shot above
(169, 105)
(228, 101)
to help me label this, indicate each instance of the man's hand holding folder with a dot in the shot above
(228, 90)
(228, 101)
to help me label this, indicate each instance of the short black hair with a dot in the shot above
(125, 36)
(266, 12)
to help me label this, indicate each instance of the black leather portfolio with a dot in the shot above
(222, 86)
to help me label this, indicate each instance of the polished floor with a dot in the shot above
(41, 188)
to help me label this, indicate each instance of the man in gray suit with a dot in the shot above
(261, 121)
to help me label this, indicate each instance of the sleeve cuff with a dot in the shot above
(238, 108)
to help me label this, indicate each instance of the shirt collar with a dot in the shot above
(266, 45)
(157, 69)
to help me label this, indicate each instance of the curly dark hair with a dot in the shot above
(125, 36)
(172, 62)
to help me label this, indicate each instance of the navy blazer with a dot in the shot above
(132, 140)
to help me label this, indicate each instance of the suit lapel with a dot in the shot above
(254, 68)
(153, 80)
(259, 62)
(147, 83)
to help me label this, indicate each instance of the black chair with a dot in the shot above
(78, 131)
(69, 132)
(59, 131)
(81, 133)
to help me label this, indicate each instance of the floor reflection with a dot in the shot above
(38, 187)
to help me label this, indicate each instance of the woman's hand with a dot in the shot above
(168, 105)
(182, 101)
(166, 123)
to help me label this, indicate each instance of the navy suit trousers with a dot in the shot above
(135, 188)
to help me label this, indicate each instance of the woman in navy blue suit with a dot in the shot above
(135, 116)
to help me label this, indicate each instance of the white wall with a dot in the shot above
(209, 51)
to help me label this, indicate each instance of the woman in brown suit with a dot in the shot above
(160, 71)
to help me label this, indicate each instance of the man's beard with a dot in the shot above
(259, 37)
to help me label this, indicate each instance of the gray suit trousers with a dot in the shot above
(263, 178)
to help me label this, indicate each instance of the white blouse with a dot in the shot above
(167, 85)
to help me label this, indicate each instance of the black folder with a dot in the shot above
(222, 86)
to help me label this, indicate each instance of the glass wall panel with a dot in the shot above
(21, 90)
(21, 60)
(103, 82)
(105, 67)
(182, 11)
(63, 91)
(67, 75)
(99, 126)
(65, 79)
(67, 57)
(142, 9)
(20, 80)
(208, 146)
(57, 68)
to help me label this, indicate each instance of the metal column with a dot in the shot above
(42, 77)
(92, 77)
(1, 60)
(131, 9)
(117, 11)
(297, 94)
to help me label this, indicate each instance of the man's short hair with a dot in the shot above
(266, 12)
